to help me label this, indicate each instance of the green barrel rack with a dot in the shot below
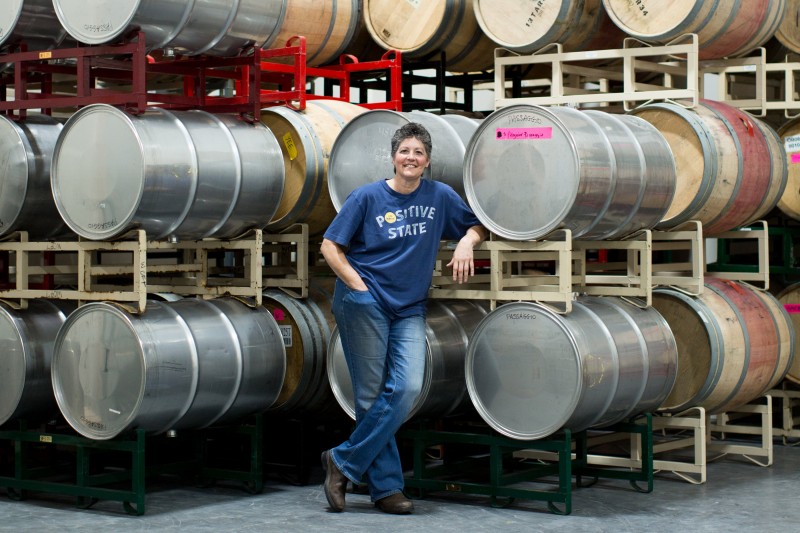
(491, 470)
(54, 461)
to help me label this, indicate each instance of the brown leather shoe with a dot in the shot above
(395, 504)
(335, 483)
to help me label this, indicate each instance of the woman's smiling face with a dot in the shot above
(410, 160)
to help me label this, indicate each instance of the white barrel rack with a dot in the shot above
(685, 443)
(789, 396)
(82, 268)
(591, 78)
(573, 273)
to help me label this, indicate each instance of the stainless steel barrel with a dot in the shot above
(449, 324)
(465, 127)
(186, 174)
(26, 351)
(644, 176)
(647, 355)
(26, 200)
(213, 27)
(531, 372)
(182, 364)
(32, 22)
(530, 170)
(361, 153)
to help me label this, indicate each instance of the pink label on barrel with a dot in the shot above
(510, 134)
(795, 158)
(792, 308)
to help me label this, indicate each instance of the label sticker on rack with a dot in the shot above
(792, 308)
(792, 143)
(290, 147)
(513, 134)
(286, 333)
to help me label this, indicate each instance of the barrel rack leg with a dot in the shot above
(86, 486)
(468, 473)
(253, 433)
(644, 429)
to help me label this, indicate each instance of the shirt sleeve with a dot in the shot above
(460, 216)
(348, 222)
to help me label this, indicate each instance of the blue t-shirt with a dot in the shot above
(391, 239)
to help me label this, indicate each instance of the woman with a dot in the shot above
(382, 247)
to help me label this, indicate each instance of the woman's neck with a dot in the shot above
(403, 186)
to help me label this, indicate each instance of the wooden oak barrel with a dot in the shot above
(725, 28)
(728, 345)
(528, 26)
(329, 27)
(779, 171)
(789, 202)
(423, 28)
(306, 326)
(723, 164)
(306, 139)
(790, 299)
(786, 334)
(788, 33)
(763, 338)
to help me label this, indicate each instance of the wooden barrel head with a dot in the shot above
(694, 349)
(790, 298)
(789, 203)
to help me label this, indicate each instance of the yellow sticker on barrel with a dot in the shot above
(290, 147)
(512, 134)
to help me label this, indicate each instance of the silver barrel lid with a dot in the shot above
(531, 372)
(13, 172)
(101, 21)
(14, 361)
(98, 172)
(522, 172)
(99, 371)
(361, 153)
(112, 171)
(9, 16)
(113, 371)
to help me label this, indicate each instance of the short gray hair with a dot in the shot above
(412, 130)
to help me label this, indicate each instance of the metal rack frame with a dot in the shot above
(130, 65)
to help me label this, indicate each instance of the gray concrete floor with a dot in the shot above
(737, 496)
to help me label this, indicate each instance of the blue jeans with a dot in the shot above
(386, 358)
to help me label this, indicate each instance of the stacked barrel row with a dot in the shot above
(613, 176)
(628, 158)
(465, 31)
